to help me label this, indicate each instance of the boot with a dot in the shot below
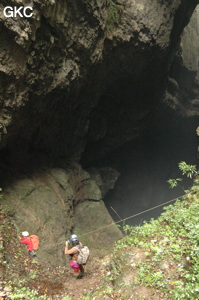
(77, 276)
(81, 273)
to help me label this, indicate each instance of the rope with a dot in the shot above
(122, 220)
(132, 216)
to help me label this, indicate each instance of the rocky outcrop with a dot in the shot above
(183, 84)
(55, 202)
(82, 74)
(105, 178)
(95, 227)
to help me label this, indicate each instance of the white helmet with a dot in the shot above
(73, 238)
(25, 233)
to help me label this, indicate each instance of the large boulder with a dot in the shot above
(52, 202)
(95, 227)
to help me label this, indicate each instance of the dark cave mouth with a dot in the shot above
(130, 130)
(159, 140)
(145, 165)
(115, 95)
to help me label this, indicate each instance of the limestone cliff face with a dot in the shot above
(183, 83)
(53, 203)
(64, 73)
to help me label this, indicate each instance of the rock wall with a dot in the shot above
(183, 85)
(65, 69)
(54, 203)
(78, 80)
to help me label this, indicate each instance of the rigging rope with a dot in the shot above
(122, 220)
(132, 216)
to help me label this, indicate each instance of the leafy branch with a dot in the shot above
(174, 182)
(188, 170)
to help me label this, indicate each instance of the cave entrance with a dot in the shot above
(147, 163)
(135, 132)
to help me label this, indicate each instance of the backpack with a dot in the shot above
(35, 241)
(83, 255)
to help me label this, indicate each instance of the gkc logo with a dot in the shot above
(22, 11)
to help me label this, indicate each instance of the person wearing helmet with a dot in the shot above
(73, 252)
(25, 239)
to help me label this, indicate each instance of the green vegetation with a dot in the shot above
(25, 293)
(188, 170)
(22, 276)
(114, 15)
(171, 248)
(158, 260)
(160, 257)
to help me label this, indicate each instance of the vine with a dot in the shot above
(114, 15)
